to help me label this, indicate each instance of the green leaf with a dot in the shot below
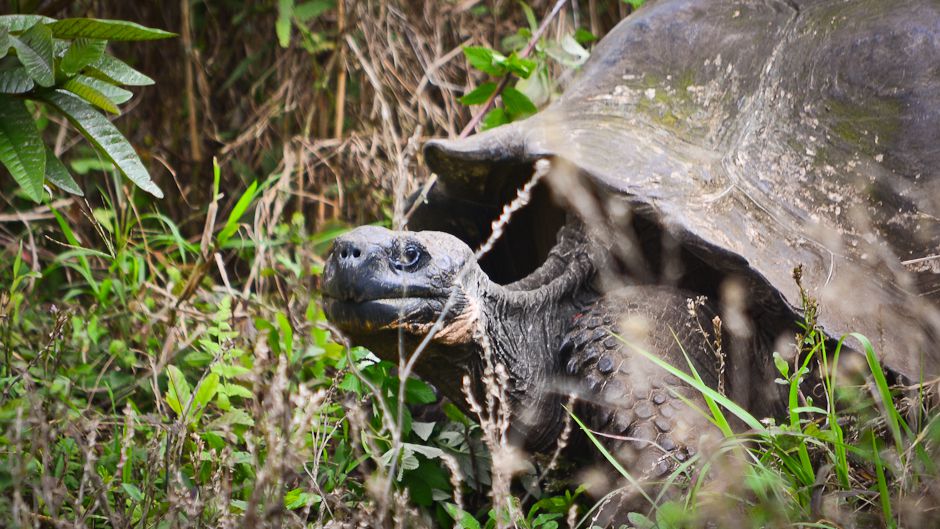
(88, 93)
(479, 95)
(34, 50)
(231, 225)
(21, 147)
(59, 175)
(640, 521)
(178, 392)
(635, 4)
(116, 71)
(583, 36)
(309, 10)
(232, 417)
(520, 66)
(236, 390)
(494, 118)
(285, 9)
(80, 54)
(18, 23)
(418, 392)
(15, 81)
(116, 94)
(133, 491)
(485, 60)
(518, 105)
(782, 366)
(297, 498)
(93, 28)
(464, 519)
(204, 395)
(4, 42)
(105, 137)
(529, 16)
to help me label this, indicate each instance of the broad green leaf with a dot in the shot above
(21, 147)
(517, 104)
(116, 94)
(59, 175)
(494, 118)
(4, 42)
(309, 10)
(15, 81)
(204, 395)
(92, 28)
(80, 54)
(485, 60)
(178, 392)
(418, 392)
(34, 50)
(635, 4)
(479, 95)
(106, 138)
(18, 23)
(285, 9)
(89, 93)
(116, 71)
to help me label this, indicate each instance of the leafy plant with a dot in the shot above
(534, 86)
(63, 66)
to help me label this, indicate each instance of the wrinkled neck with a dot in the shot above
(523, 332)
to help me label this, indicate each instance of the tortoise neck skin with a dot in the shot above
(387, 290)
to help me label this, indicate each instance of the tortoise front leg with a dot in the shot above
(638, 408)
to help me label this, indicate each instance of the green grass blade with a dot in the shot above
(702, 388)
(610, 458)
(882, 484)
(891, 412)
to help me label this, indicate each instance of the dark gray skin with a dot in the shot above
(554, 339)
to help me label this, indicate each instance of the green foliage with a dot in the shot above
(534, 86)
(63, 64)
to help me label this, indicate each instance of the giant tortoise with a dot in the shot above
(706, 151)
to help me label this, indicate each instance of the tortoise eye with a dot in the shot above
(408, 257)
(411, 255)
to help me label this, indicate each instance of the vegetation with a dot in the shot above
(167, 364)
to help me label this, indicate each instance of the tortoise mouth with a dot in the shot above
(373, 315)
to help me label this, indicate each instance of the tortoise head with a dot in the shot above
(378, 282)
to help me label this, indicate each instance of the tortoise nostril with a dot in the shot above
(356, 253)
(343, 253)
